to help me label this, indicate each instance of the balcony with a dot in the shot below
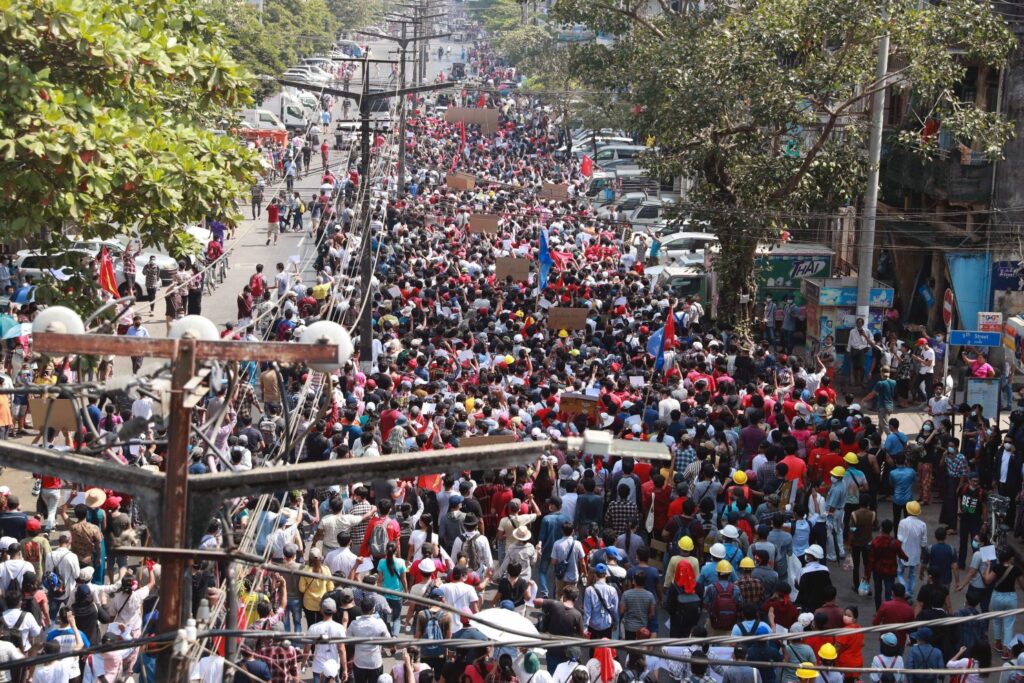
(943, 177)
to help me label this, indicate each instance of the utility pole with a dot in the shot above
(403, 44)
(186, 393)
(865, 258)
(365, 99)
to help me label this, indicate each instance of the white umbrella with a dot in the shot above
(505, 619)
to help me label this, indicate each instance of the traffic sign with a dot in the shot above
(947, 307)
(973, 338)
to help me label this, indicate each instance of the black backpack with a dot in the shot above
(12, 634)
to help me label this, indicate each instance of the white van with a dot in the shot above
(617, 154)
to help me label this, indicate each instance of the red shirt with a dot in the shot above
(393, 529)
(895, 611)
(273, 213)
(883, 554)
(796, 467)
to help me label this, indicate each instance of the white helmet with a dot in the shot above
(718, 551)
(697, 346)
(730, 531)
(815, 551)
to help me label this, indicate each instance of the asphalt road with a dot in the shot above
(247, 248)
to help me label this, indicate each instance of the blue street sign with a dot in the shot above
(973, 338)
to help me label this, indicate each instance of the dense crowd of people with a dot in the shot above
(777, 491)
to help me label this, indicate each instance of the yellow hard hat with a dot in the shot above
(740, 477)
(723, 567)
(852, 458)
(746, 563)
(519, 314)
(574, 352)
(913, 508)
(510, 360)
(686, 543)
(838, 471)
(805, 671)
(563, 333)
(828, 651)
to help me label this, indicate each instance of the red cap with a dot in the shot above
(921, 342)
(33, 525)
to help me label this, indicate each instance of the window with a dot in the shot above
(648, 212)
(604, 155)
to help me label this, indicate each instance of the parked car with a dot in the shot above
(683, 248)
(649, 213)
(627, 204)
(40, 266)
(115, 247)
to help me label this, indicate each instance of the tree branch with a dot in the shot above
(826, 132)
(632, 14)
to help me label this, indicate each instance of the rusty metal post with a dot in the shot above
(175, 509)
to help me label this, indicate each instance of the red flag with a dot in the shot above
(669, 339)
(587, 166)
(108, 281)
(462, 131)
(482, 101)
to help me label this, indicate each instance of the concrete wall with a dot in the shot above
(1009, 180)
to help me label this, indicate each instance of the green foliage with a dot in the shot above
(289, 30)
(106, 122)
(726, 91)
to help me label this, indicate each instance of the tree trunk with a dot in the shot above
(734, 272)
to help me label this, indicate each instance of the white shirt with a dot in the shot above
(460, 595)
(341, 561)
(926, 354)
(325, 652)
(665, 408)
(482, 548)
(29, 626)
(53, 672)
(14, 570)
(8, 653)
(142, 407)
(127, 606)
(860, 338)
(209, 669)
(563, 672)
(913, 534)
(939, 406)
(65, 563)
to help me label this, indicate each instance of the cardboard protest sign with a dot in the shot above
(461, 181)
(486, 118)
(579, 404)
(62, 413)
(556, 191)
(565, 318)
(518, 268)
(486, 223)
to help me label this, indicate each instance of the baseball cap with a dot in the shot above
(328, 606)
(455, 500)
(601, 568)
(437, 594)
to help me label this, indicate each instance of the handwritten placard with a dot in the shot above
(461, 181)
(555, 191)
(579, 404)
(485, 223)
(565, 318)
(516, 268)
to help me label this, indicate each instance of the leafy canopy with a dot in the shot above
(763, 103)
(107, 121)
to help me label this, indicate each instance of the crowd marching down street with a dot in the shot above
(789, 501)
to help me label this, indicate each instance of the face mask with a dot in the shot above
(975, 545)
(951, 451)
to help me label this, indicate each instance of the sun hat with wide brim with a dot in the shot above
(95, 498)
(521, 534)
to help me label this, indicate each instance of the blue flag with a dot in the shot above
(544, 260)
(660, 340)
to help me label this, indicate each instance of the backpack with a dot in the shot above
(379, 539)
(724, 608)
(432, 631)
(256, 285)
(52, 583)
(469, 550)
(30, 552)
(12, 634)
(562, 567)
(29, 605)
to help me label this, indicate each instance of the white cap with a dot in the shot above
(427, 566)
(815, 551)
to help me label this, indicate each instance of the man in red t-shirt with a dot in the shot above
(394, 531)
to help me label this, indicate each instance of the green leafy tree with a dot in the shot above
(107, 122)
(764, 103)
(288, 30)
